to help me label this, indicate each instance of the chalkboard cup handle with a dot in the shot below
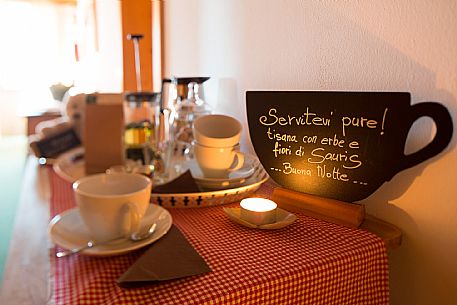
(444, 129)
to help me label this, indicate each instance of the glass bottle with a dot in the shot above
(187, 111)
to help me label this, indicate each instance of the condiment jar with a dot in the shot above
(141, 111)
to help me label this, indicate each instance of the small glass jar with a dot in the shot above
(141, 111)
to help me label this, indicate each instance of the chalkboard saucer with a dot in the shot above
(283, 219)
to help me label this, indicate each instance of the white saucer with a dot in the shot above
(283, 219)
(68, 231)
(70, 165)
(234, 178)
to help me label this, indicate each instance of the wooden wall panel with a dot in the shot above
(157, 44)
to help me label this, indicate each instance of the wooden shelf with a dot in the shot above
(338, 212)
(33, 119)
(391, 235)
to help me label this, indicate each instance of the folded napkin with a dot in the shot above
(171, 257)
(184, 183)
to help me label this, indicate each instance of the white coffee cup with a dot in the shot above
(218, 162)
(112, 205)
(217, 130)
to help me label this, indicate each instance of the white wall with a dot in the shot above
(36, 51)
(389, 45)
(99, 38)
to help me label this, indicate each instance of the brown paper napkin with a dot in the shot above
(171, 257)
(184, 183)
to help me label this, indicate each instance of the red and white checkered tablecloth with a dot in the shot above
(308, 262)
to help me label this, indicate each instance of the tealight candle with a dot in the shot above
(258, 211)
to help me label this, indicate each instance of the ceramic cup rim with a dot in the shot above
(196, 143)
(204, 134)
(77, 184)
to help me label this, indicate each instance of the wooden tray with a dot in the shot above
(70, 166)
(212, 198)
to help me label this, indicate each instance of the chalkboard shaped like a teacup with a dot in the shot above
(341, 145)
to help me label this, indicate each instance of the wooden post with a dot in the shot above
(157, 44)
(137, 19)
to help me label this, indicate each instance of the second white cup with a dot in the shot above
(218, 162)
(217, 130)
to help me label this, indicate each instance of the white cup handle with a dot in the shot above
(131, 219)
(239, 161)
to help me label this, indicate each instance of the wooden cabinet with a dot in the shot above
(34, 118)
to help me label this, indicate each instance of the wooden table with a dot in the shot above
(26, 277)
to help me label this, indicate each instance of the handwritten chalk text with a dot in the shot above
(273, 135)
(319, 155)
(306, 118)
(332, 174)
